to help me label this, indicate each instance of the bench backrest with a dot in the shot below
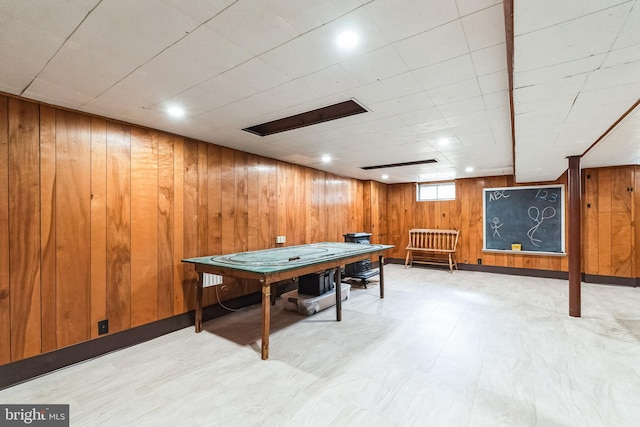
(435, 239)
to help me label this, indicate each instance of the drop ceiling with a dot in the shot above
(433, 75)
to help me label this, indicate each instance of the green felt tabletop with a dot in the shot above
(289, 257)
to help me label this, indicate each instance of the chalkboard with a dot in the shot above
(531, 217)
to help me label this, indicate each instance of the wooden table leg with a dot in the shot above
(338, 277)
(199, 287)
(381, 269)
(266, 318)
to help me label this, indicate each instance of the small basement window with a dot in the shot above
(430, 192)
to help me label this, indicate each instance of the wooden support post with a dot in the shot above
(575, 265)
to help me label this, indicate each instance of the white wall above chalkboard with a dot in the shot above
(524, 219)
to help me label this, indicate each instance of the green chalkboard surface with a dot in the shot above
(530, 216)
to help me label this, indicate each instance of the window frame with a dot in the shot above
(437, 186)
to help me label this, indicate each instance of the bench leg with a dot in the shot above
(406, 262)
(450, 264)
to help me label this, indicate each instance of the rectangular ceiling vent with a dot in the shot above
(324, 114)
(396, 165)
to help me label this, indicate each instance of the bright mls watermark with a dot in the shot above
(34, 415)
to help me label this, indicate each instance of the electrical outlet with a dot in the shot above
(281, 239)
(103, 327)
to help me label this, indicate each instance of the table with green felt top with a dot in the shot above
(269, 266)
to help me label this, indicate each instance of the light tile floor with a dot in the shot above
(461, 349)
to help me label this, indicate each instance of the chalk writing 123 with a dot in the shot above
(546, 195)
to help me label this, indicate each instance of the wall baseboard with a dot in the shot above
(532, 272)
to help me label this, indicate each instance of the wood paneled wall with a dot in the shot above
(609, 234)
(463, 214)
(96, 215)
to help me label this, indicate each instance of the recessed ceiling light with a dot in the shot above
(326, 158)
(385, 176)
(175, 111)
(348, 39)
(468, 169)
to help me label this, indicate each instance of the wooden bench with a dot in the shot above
(432, 246)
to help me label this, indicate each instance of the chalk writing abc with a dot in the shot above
(31, 415)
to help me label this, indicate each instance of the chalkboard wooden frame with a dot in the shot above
(531, 218)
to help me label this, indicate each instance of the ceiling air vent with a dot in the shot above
(324, 114)
(396, 165)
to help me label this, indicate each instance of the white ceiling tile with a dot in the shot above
(268, 29)
(494, 82)
(416, 101)
(13, 82)
(400, 19)
(214, 93)
(467, 106)
(629, 35)
(445, 73)
(31, 33)
(533, 16)
(621, 75)
(305, 15)
(204, 53)
(549, 90)
(43, 90)
(559, 107)
(257, 74)
(287, 57)
(467, 7)
(570, 40)
(135, 38)
(455, 92)
(358, 21)
(622, 56)
(433, 129)
(499, 117)
(393, 87)
(193, 60)
(554, 72)
(496, 99)
(200, 10)
(485, 28)
(479, 118)
(490, 60)
(375, 65)
(437, 45)
(624, 138)
(135, 42)
(330, 80)
(267, 105)
(608, 98)
(427, 115)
